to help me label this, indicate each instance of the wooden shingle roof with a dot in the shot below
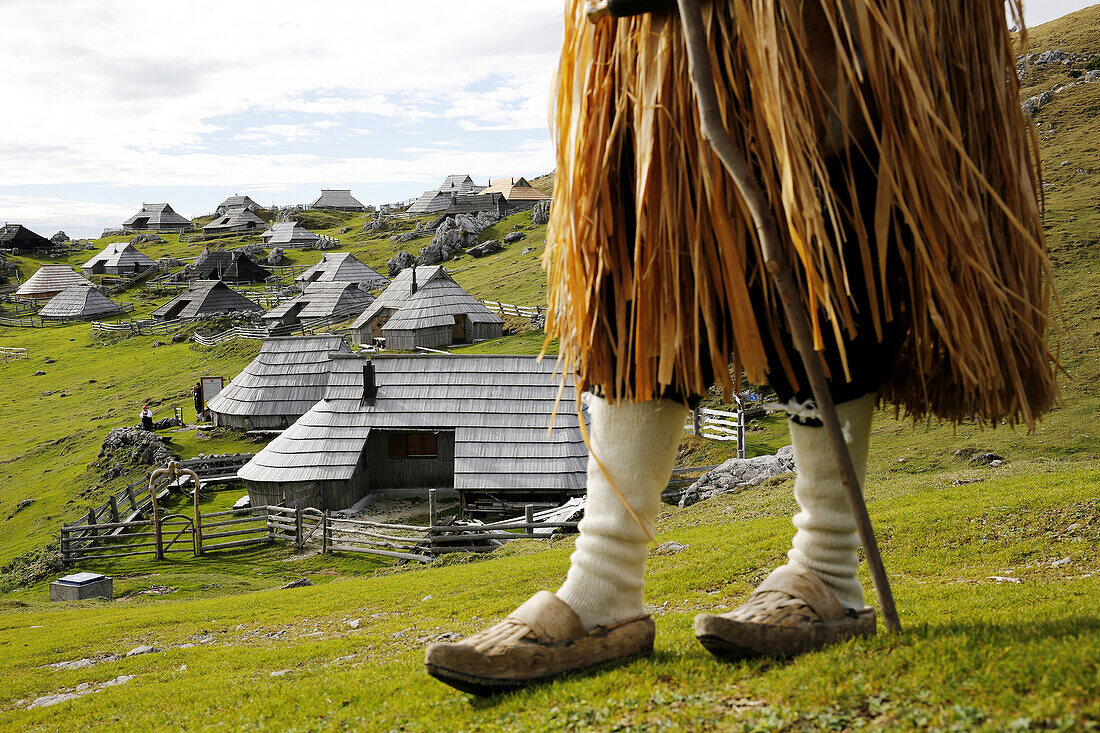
(17, 236)
(436, 303)
(205, 297)
(515, 189)
(323, 299)
(342, 267)
(287, 377)
(79, 301)
(498, 406)
(238, 202)
(120, 254)
(234, 218)
(50, 280)
(157, 216)
(336, 198)
(228, 264)
(288, 232)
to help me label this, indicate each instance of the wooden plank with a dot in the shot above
(384, 553)
(232, 533)
(237, 543)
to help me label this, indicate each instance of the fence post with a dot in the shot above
(299, 538)
(696, 418)
(91, 521)
(130, 496)
(324, 532)
(433, 519)
(113, 504)
(198, 523)
(740, 434)
(529, 518)
(64, 545)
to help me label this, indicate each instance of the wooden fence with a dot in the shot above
(121, 285)
(718, 425)
(163, 533)
(140, 327)
(12, 353)
(508, 309)
(237, 332)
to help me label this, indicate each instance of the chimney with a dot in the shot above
(370, 387)
(413, 291)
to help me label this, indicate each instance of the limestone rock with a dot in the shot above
(299, 583)
(511, 237)
(486, 248)
(737, 474)
(399, 262)
(541, 213)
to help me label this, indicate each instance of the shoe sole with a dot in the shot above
(731, 640)
(489, 686)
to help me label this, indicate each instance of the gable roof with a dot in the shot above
(205, 297)
(235, 217)
(49, 280)
(499, 407)
(79, 301)
(322, 299)
(438, 199)
(342, 267)
(289, 232)
(158, 216)
(400, 290)
(515, 189)
(436, 303)
(227, 264)
(238, 202)
(286, 378)
(17, 236)
(336, 198)
(120, 254)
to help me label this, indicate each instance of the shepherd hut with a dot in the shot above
(234, 220)
(423, 306)
(120, 258)
(288, 377)
(17, 236)
(339, 199)
(342, 267)
(157, 218)
(236, 202)
(50, 280)
(320, 300)
(289, 234)
(205, 298)
(78, 302)
(231, 265)
(438, 199)
(518, 192)
(482, 426)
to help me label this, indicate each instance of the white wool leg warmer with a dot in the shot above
(827, 541)
(636, 442)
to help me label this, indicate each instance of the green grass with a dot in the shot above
(975, 653)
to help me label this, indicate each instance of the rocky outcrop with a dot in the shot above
(126, 447)
(399, 262)
(60, 238)
(416, 233)
(541, 213)
(486, 248)
(275, 256)
(737, 474)
(146, 237)
(512, 237)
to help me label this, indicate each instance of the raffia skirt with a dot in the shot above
(656, 284)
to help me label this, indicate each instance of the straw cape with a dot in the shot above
(49, 280)
(281, 384)
(653, 260)
(79, 301)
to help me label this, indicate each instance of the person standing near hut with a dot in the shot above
(196, 397)
(907, 203)
(146, 418)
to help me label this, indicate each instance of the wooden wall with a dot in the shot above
(408, 473)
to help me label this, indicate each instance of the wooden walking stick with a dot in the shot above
(779, 267)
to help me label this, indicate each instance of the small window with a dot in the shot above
(413, 445)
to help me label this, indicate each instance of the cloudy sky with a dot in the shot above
(114, 103)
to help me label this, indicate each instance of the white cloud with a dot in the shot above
(97, 82)
(42, 214)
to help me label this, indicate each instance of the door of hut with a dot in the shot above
(459, 333)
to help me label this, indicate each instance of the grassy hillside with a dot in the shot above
(980, 651)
